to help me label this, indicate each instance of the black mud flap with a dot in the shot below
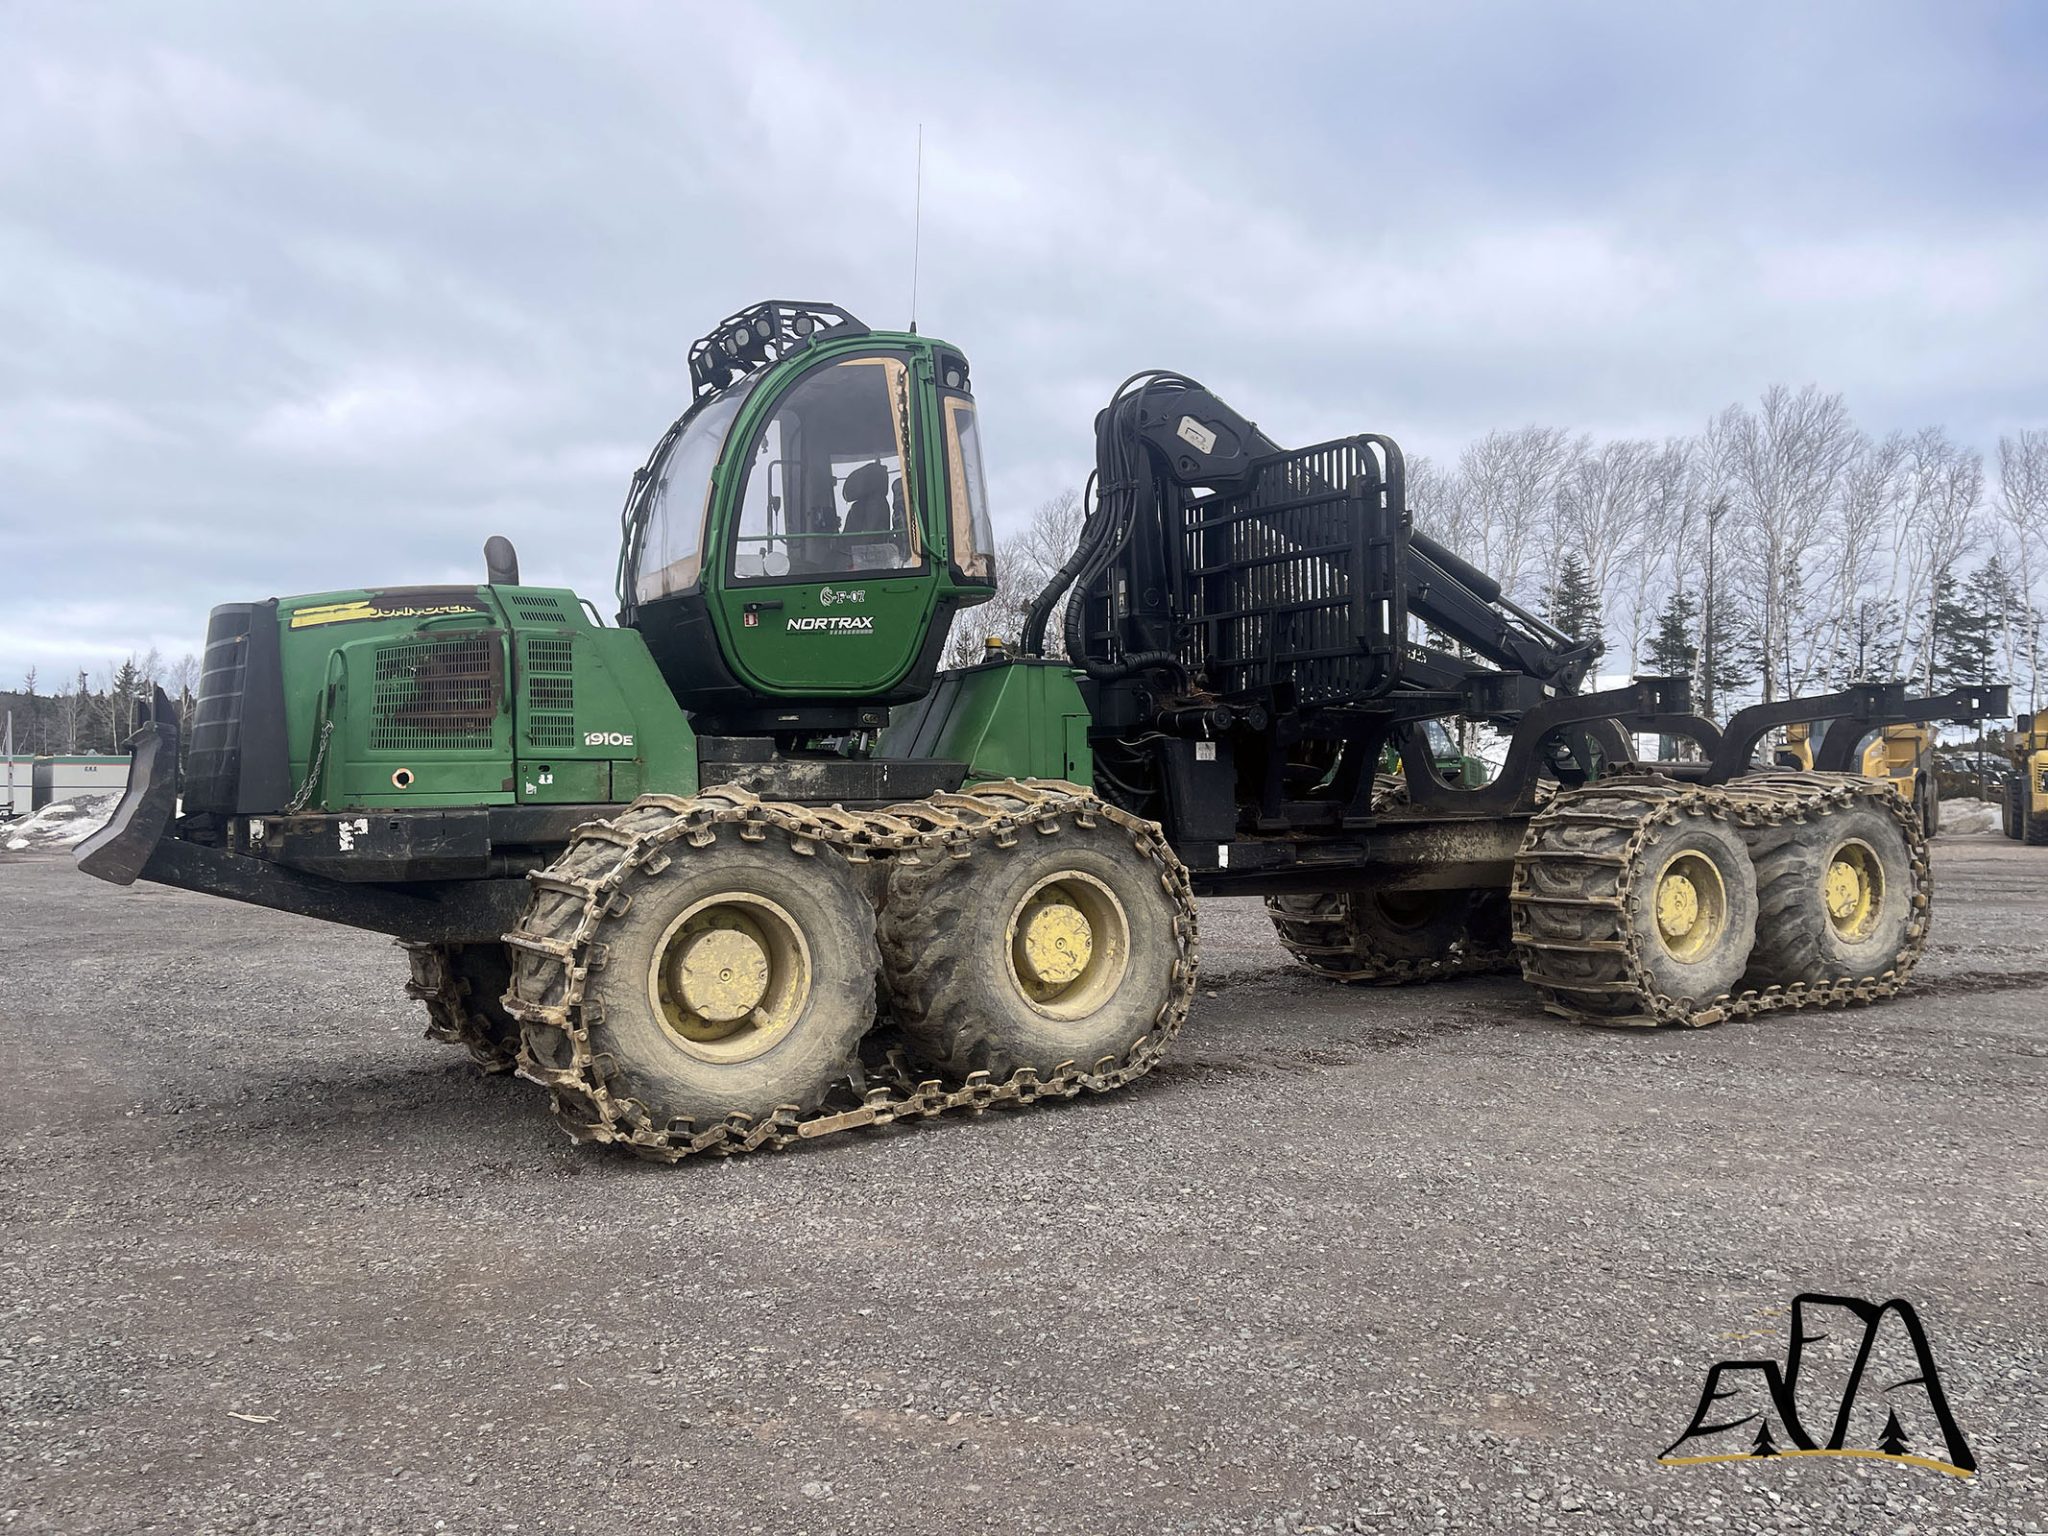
(118, 850)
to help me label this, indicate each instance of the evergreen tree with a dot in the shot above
(1893, 1441)
(1963, 639)
(1729, 656)
(1674, 648)
(1763, 1445)
(1865, 649)
(1572, 603)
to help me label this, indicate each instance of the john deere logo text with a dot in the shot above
(1858, 1380)
(836, 623)
(351, 613)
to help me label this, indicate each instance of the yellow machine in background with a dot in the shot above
(1903, 754)
(2026, 792)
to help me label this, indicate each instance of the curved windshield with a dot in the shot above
(825, 492)
(672, 543)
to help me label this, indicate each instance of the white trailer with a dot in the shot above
(73, 778)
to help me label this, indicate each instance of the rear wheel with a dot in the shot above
(1696, 913)
(2010, 809)
(463, 986)
(1630, 913)
(1836, 896)
(1069, 943)
(1927, 801)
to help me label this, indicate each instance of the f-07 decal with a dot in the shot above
(837, 623)
(361, 608)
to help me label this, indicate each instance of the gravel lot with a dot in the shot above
(1405, 1260)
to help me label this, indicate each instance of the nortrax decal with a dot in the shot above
(836, 623)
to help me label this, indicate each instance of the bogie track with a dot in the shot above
(580, 905)
(1584, 917)
(1384, 939)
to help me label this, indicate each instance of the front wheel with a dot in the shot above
(689, 978)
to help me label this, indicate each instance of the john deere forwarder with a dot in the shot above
(663, 867)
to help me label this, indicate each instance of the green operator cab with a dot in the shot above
(795, 550)
(798, 542)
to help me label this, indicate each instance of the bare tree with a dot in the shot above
(1025, 562)
(2022, 508)
(1945, 489)
(1782, 466)
(1612, 506)
(1505, 504)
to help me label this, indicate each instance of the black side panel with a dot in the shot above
(214, 765)
(266, 783)
(238, 762)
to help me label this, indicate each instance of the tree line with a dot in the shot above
(92, 711)
(1781, 550)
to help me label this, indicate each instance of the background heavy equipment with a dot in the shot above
(666, 868)
(1903, 754)
(2025, 811)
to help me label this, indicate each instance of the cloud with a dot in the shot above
(304, 297)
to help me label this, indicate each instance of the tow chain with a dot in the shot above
(553, 959)
(1590, 839)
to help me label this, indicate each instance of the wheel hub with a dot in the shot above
(1069, 945)
(1678, 905)
(730, 976)
(1054, 944)
(720, 975)
(1691, 906)
(1852, 890)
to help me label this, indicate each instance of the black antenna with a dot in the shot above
(916, 229)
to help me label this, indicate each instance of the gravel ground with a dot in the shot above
(1409, 1260)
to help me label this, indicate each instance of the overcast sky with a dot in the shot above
(299, 296)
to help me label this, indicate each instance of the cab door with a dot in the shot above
(826, 583)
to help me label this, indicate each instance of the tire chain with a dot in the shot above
(1317, 936)
(1593, 835)
(450, 1018)
(885, 1091)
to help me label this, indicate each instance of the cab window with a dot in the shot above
(672, 545)
(825, 492)
(973, 533)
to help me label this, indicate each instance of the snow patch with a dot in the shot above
(62, 823)
(1966, 817)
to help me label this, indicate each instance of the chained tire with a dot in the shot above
(1634, 903)
(1394, 938)
(1069, 942)
(463, 986)
(671, 973)
(1835, 897)
(2010, 810)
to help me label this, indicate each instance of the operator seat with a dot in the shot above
(867, 499)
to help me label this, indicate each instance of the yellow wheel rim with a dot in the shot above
(1852, 890)
(1692, 907)
(1068, 944)
(730, 977)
